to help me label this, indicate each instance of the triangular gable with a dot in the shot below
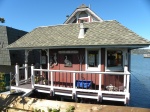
(82, 14)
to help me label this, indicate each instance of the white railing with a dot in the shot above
(67, 80)
(22, 74)
(73, 76)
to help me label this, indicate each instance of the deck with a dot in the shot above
(76, 84)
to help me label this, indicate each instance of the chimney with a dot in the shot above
(81, 32)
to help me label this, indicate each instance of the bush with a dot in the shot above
(2, 82)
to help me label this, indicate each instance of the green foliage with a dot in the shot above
(2, 20)
(56, 110)
(49, 109)
(2, 83)
(70, 109)
(2, 76)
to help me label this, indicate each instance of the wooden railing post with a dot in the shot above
(26, 72)
(99, 92)
(126, 83)
(17, 74)
(125, 76)
(32, 76)
(74, 86)
(52, 85)
(41, 70)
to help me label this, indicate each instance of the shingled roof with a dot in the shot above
(106, 33)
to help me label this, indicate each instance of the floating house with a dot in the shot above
(84, 58)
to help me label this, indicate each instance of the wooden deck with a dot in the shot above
(26, 88)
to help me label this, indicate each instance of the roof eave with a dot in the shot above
(82, 46)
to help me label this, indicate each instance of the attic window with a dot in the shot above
(83, 19)
(83, 14)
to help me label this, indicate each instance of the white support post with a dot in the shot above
(48, 65)
(32, 76)
(125, 80)
(99, 92)
(100, 81)
(41, 70)
(125, 77)
(52, 86)
(40, 63)
(17, 74)
(128, 82)
(26, 72)
(74, 86)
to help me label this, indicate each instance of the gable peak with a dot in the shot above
(82, 6)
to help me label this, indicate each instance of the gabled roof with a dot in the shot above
(81, 9)
(101, 34)
(7, 36)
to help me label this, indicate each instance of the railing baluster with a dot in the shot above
(125, 80)
(66, 79)
(70, 79)
(32, 76)
(59, 79)
(74, 85)
(26, 72)
(95, 81)
(17, 75)
(128, 81)
(52, 86)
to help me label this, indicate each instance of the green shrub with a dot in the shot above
(70, 109)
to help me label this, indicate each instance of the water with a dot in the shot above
(140, 81)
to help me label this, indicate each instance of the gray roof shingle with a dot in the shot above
(97, 34)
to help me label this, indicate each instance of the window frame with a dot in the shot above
(87, 68)
(115, 68)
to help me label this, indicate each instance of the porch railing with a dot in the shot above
(78, 83)
(81, 81)
(23, 74)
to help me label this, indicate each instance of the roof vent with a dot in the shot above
(81, 32)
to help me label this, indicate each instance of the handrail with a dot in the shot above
(96, 72)
(24, 67)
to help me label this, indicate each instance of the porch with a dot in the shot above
(75, 84)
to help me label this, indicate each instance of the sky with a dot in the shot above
(29, 14)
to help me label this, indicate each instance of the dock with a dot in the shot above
(146, 55)
(13, 102)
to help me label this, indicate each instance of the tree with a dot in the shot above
(2, 20)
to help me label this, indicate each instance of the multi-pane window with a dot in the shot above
(114, 58)
(93, 58)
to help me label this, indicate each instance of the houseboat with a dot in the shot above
(146, 55)
(84, 58)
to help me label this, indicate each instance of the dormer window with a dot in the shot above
(83, 19)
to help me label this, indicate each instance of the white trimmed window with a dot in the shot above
(93, 60)
(114, 60)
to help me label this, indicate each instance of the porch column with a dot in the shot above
(103, 65)
(26, 64)
(17, 74)
(125, 77)
(48, 64)
(125, 58)
(40, 62)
